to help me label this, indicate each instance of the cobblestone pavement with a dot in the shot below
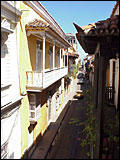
(67, 143)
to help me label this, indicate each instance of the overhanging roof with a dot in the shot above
(72, 55)
(38, 24)
(102, 31)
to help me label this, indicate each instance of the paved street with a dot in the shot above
(67, 143)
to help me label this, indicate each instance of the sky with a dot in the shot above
(80, 12)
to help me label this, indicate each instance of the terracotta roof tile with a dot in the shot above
(110, 25)
(37, 23)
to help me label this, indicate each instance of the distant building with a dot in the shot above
(73, 56)
(72, 40)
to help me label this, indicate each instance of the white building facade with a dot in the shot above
(10, 98)
(114, 67)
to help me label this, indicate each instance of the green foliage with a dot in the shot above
(90, 123)
(78, 66)
(88, 153)
(90, 69)
(73, 121)
(74, 70)
(74, 73)
(110, 126)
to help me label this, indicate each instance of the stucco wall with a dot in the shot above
(27, 62)
(32, 51)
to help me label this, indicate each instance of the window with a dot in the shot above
(50, 57)
(50, 50)
(39, 45)
(34, 107)
(39, 58)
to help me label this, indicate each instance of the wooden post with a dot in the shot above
(43, 72)
(67, 59)
(64, 57)
(60, 55)
(99, 106)
(53, 54)
(96, 77)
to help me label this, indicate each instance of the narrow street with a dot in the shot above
(67, 143)
(60, 80)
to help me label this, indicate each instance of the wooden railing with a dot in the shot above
(54, 75)
(109, 95)
(36, 79)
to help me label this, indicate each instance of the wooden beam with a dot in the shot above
(99, 106)
(96, 77)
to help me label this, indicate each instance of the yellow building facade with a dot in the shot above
(42, 70)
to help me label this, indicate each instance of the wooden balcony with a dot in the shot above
(34, 80)
(37, 81)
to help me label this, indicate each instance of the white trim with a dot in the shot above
(6, 30)
(49, 36)
(41, 33)
(53, 54)
(43, 12)
(11, 8)
(47, 17)
(58, 42)
(12, 103)
(44, 37)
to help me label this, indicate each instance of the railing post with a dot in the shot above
(43, 71)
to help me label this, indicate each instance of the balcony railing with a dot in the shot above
(109, 95)
(41, 80)
(34, 79)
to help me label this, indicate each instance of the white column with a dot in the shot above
(116, 82)
(64, 57)
(43, 77)
(67, 59)
(53, 54)
(60, 57)
(111, 71)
